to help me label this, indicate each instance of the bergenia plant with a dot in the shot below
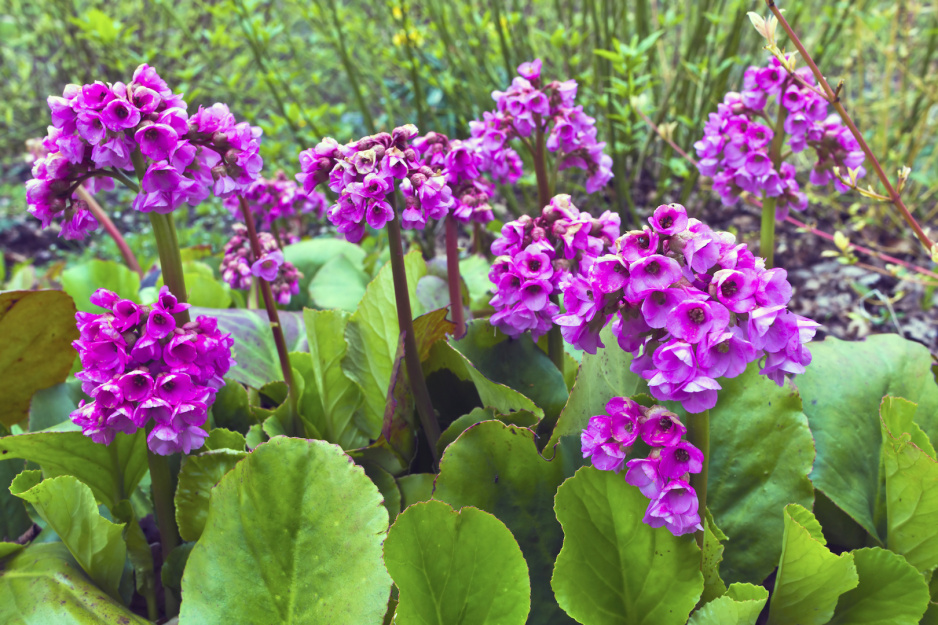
(743, 141)
(279, 206)
(239, 267)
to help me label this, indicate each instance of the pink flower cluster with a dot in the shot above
(529, 108)
(538, 257)
(239, 267)
(460, 164)
(664, 476)
(691, 305)
(278, 199)
(737, 138)
(363, 173)
(104, 131)
(143, 371)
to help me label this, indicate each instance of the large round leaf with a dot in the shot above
(456, 567)
(293, 535)
(614, 568)
(36, 333)
(82, 280)
(196, 479)
(841, 391)
(497, 468)
(891, 591)
(760, 456)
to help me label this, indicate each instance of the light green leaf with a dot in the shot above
(315, 542)
(42, 584)
(614, 568)
(38, 328)
(203, 288)
(339, 284)
(69, 508)
(8, 549)
(81, 281)
(711, 558)
(475, 272)
(497, 468)
(841, 391)
(197, 477)
(741, 605)
(112, 472)
(456, 567)
(810, 578)
(309, 256)
(372, 335)
(220, 438)
(891, 591)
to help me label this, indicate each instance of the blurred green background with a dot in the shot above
(307, 69)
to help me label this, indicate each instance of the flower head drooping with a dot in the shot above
(664, 476)
(530, 106)
(238, 266)
(101, 131)
(278, 199)
(545, 256)
(734, 150)
(364, 173)
(688, 302)
(460, 164)
(144, 371)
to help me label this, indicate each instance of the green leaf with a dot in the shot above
(741, 605)
(8, 549)
(52, 406)
(891, 591)
(316, 543)
(518, 364)
(415, 487)
(254, 347)
(897, 415)
(759, 461)
(197, 477)
(711, 558)
(203, 288)
(81, 281)
(309, 256)
(810, 578)
(497, 468)
(911, 500)
(42, 584)
(841, 391)
(138, 549)
(339, 284)
(372, 335)
(331, 401)
(521, 418)
(112, 472)
(614, 568)
(387, 486)
(456, 567)
(475, 272)
(68, 506)
(220, 438)
(231, 409)
(38, 328)
(601, 377)
(13, 518)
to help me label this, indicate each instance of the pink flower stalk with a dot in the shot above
(692, 306)
(734, 150)
(663, 476)
(364, 172)
(543, 257)
(143, 371)
(98, 131)
(238, 266)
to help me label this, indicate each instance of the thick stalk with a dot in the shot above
(418, 384)
(698, 435)
(164, 230)
(452, 274)
(162, 491)
(274, 318)
(554, 338)
(477, 236)
(555, 341)
(767, 235)
(834, 98)
(129, 259)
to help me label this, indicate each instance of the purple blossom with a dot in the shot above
(238, 265)
(675, 507)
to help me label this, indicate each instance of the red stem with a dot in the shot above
(452, 274)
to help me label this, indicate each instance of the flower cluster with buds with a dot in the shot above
(460, 163)
(364, 172)
(736, 147)
(278, 199)
(101, 131)
(239, 267)
(530, 107)
(664, 475)
(691, 305)
(539, 257)
(144, 371)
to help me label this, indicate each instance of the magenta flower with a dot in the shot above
(268, 266)
(238, 266)
(643, 474)
(661, 428)
(679, 460)
(675, 508)
(669, 219)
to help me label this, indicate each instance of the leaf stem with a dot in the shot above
(418, 383)
(274, 319)
(698, 435)
(162, 492)
(452, 274)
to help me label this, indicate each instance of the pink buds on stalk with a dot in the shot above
(238, 266)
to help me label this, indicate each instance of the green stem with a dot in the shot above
(274, 319)
(698, 435)
(555, 341)
(164, 230)
(162, 492)
(418, 384)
